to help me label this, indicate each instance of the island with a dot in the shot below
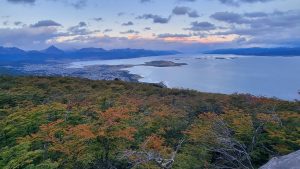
(217, 58)
(163, 63)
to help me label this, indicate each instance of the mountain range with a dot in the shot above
(13, 54)
(280, 51)
(10, 55)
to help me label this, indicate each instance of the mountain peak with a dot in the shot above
(53, 50)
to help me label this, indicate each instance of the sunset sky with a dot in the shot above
(183, 25)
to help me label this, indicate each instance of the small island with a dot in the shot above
(217, 58)
(163, 63)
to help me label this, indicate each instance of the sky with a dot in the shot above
(182, 25)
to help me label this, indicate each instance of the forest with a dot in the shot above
(72, 123)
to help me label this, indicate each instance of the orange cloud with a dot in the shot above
(209, 39)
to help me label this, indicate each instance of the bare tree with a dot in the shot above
(144, 156)
(229, 152)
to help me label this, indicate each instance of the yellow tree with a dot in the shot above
(113, 131)
(71, 141)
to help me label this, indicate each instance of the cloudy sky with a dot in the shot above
(184, 25)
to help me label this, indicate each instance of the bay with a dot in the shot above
(257, 75)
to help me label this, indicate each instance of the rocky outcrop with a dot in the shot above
(290, 161)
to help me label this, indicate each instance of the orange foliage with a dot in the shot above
(82, 131)
(132, 103)
(126, 133)
(113, 116)
(114, 125)
(69, 140)
(47, 131)
(154, 142)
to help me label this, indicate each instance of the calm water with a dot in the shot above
(261, 76)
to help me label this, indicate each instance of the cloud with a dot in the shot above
(108, 42)
(27, 37)
(98, 19)
(182, 10)
(78, 4)
(45, 23)
(238, 2)
(168, 35)
(82, 24)
(79, 36)
(229, 17)
(107, 30)
(256, 14)
(265, 28)
(79, 29)
(193, 14)
(5, 23)
(131, 31)
(121, 13)
(232, 2)
(127, 23)
(201, 26)
(276, 19)
(18, 23)
(155, 18)
(187, 0)
(250, 27)
(22, 1)
(144, 1)
(147, 28)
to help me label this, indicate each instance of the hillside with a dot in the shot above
(49, 122)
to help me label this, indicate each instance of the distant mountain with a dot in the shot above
(11, 54)
(10, 51)
(53, 50)
(8, 55)
(91, 50)
(259, 51)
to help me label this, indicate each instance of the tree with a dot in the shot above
(21, 156)
(153, 150)
(113, 130)
(71, 141)
(214, 134)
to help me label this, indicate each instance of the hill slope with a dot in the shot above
(77, 123)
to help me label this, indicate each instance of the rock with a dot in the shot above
(160, 85)
(290, 161)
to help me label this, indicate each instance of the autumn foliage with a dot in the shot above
(75, 123)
